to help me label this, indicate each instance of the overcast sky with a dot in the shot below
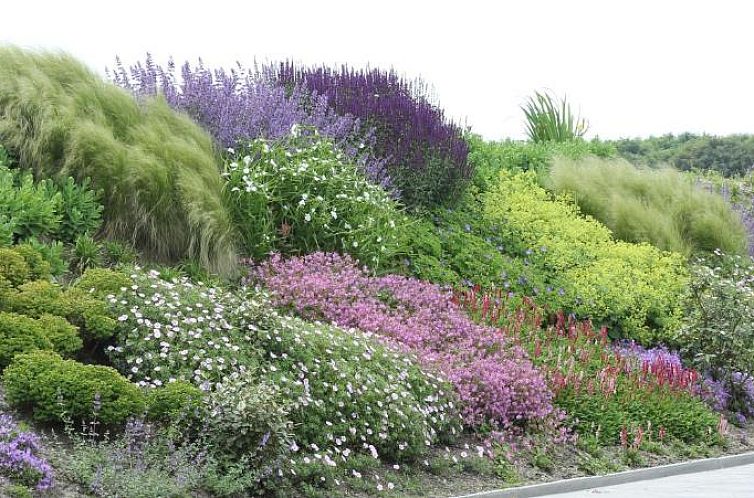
(633, 68)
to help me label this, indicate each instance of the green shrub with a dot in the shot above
(13, 267)
(662, 206)
(117, 253)
(248, 419)
(682, 416)
(80, 208)
(301, 195)
(636, 289)
(730, 155)
(19, 334)
(79, 307)
(52, 252)
(102, 282)
(157, 170)
(718, 330)
(56, 390)
(31, 209)
(176, 402)
(63, 336)
(86, 253)
(39, 267)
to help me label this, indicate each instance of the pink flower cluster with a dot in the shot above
(495, 380)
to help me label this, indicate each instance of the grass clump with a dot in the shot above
(662, 206)
(158, 170)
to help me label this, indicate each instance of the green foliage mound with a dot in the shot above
(301, 195)
(20, 334)
(634, 288)
(157, 169)
(56, 390)
(662, 206)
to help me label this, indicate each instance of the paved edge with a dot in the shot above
(583, 483)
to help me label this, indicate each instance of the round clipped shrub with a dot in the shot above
(39, 268)
(13, 267)
(102, 282)
(56, 390)
(86, 311)
(19, 334)
(174, 402)
(64, 337)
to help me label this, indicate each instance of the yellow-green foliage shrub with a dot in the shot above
(660, 206)
(157, 169)
(55, 389)
(42, 297)
(635, 289)
(21, 334)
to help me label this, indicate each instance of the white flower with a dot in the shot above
(307, 217)
(334, 214)
(122, 318)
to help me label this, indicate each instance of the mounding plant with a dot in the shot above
(300, 194)
(635, 289)
(551, 119)
(426, 154)
(58, 390)
(659, 206)
(157, 169)
(497, 385)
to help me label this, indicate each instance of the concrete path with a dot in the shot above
(734, 482)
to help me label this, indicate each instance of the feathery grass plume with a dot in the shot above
(159, 172)
(551, 119)
(661, 206)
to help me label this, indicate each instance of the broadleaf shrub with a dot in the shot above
(635, 289)
(426, 154)
(56, 390)
(158, 170)
(660, 206)
(301, 195)
(718, 329)
(488, 158)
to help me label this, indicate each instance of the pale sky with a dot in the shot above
(632, 67)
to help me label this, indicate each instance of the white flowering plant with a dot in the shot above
(172, 330)
(342, 394)
(301, 194)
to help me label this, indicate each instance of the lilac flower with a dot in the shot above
(19, 456)
(240, 105)
(494, 378)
